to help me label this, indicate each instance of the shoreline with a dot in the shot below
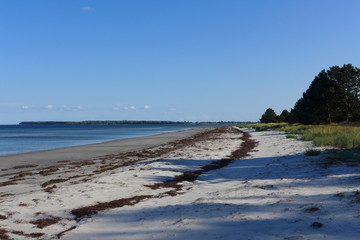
(89, 151)
(18, 139)
(33, 190)
(224, 183)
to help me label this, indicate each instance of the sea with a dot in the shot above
(16, 139)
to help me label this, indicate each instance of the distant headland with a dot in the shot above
(123, 122)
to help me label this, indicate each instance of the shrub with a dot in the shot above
(312, 152)
(264, 126)
(350, 157)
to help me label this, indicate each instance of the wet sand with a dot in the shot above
(48, 202)
(226, 183)
(91, 151)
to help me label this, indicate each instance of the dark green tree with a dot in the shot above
(333, 96)
(292, 118)
(318, 104)
(269, 116)
(347, 78)
(283, 116)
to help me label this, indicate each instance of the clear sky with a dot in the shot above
(193, 60)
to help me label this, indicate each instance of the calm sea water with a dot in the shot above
(20, 139)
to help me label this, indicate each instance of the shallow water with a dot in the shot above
(21, 139)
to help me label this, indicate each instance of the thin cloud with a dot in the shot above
(87, 9)
(74, 108)
(25, 107)
(132, 108)
(119, 107)
(49, 106)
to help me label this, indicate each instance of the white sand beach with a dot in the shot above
(276, 192)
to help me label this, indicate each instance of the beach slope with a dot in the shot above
(220, 184)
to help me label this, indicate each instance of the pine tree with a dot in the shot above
(333, 96)
(283, 116)
(269, 116)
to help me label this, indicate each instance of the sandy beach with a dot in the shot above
(213, 183)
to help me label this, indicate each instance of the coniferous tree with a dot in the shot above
(347, 79)
(269, 116)
(283, 116)
(333, 96)
(319, 102)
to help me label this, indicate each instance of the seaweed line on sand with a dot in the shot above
(247, 146)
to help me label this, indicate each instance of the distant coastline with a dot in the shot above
(123, 122)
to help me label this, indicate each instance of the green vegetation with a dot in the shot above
(264, 126)
(341, 136)
(291, 136)
(312, 152)
(327, 135)
(332, 97)
(271, 117)
(349, 157)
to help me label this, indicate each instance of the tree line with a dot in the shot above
(333, 96)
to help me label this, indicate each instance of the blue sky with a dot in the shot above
(193, 60)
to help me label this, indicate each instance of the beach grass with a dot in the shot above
(312, 152)
(264, 126)
(346, 136)
(340, 136)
